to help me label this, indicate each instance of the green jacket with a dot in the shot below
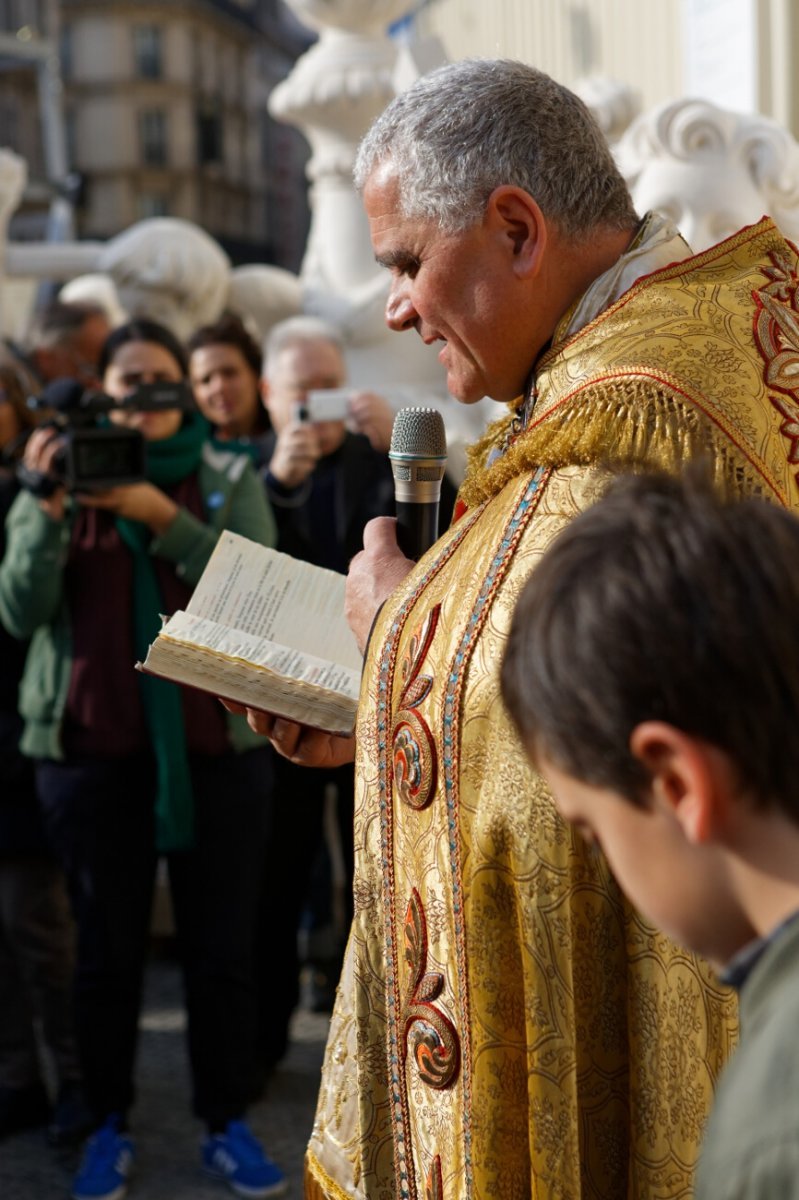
(32, 602)
(751, 1148)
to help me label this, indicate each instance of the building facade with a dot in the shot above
(739, 54)
(164, 109)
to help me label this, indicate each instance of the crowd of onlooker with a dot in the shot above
(108, 770)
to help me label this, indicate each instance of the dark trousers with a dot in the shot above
(36, 971)
(294, 842)
(100, 820)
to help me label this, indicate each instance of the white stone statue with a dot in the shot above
(613, 104)
(367, 17)
(15, 297)
(96, 289)
(711, 170)
(169, 270)
(263, 296)
(335, 91)
(13, 177)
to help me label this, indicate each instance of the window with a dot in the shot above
(10, 122)
(147, 51)
(152, 204)
(152, 127)
(209, 132)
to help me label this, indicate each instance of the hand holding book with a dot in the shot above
(267, 632)
(301, 744)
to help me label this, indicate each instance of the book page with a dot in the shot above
(284, 661)
(308, 700)
(269, 595)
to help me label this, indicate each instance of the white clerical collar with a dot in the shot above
(657, 243)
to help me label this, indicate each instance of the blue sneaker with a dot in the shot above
(238, 1157)
(107, 1164)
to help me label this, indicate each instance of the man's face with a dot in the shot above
(450, 288)
(680, 886)
(301, 368)
(78, 358)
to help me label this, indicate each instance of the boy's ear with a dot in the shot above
(687, 776)
(514, 215)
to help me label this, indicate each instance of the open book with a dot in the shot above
(268, 631)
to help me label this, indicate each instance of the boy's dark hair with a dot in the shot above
(141, 329)
(229, 330)
(663, 602)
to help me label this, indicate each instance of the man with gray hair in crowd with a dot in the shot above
(506, 1025)
(63, 340)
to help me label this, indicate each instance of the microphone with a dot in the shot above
(418, 456)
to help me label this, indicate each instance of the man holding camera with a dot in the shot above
(325, 480)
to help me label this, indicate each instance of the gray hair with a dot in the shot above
(298, 331)
(474, 125)
(59, 323)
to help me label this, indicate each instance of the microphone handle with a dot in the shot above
(417, 527)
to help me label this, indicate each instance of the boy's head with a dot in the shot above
(652, 671)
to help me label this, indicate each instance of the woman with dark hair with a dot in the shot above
(129, 767)
(225, 371)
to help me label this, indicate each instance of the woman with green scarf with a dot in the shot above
(129, 767)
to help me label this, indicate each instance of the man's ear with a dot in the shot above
(513, 214)
(688, 776)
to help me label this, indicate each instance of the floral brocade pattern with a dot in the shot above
(589, 1044)
(702, 356)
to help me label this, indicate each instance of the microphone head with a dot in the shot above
(418, 433)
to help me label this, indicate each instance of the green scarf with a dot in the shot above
(245, 445)
(168, 462)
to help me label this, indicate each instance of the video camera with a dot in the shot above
(96, 454)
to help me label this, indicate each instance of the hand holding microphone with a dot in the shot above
(418, 459)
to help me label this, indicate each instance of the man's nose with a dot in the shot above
(400, 313)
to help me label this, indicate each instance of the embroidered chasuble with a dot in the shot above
(506, 1025)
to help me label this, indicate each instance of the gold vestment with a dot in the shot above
(506, 1025)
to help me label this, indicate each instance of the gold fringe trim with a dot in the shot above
(318, 1185)
(625, 425)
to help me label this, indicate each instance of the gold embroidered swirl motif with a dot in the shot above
(777, 337)
(414, 751)
(433, 1039)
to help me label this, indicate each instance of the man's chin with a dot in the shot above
(463, 392)
(471, 392)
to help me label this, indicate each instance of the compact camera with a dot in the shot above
(96, 454)
(328, 404)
